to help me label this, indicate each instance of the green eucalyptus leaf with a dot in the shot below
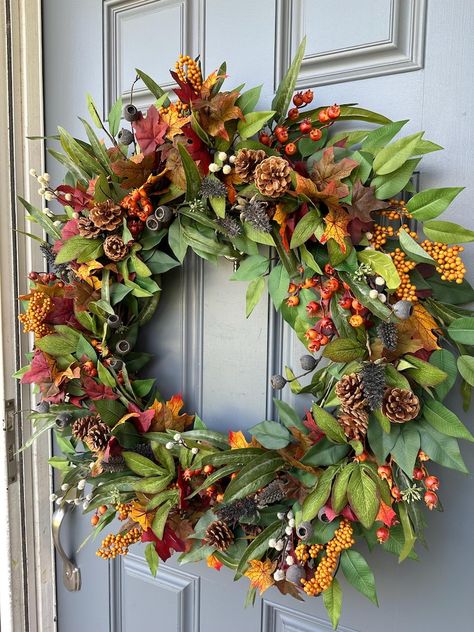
(429, 204)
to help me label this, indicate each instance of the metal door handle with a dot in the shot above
(71, 573)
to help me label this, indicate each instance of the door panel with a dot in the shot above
(385, 54)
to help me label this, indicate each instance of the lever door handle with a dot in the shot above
(71, 573)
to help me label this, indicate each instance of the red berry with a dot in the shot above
(305, 126)
(333, 111)
(323, 116)
(385, 472)
(382, 534)
(432, 483)
(328, 269)
(396, 493)
(33, 276)
(282, 136)
(312, 309)
(290, 149)
(293, 114)
(298, 99)
(418, 474)
(345, 302)
(326, 293)
(431, 500)
(315, 134)
(264, 138)
(307, 96)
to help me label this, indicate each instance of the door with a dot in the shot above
(405, 58)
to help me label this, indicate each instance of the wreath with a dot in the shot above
(377, 307)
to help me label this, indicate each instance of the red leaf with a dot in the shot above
(386, 515)
(62, 311)
(150, 131)
(39, 371)
(97, 391)
(80, 199)
(315, 432)
(167, 545)
(197, 150)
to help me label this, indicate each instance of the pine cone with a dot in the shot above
(218, 534)
(97, 437)
(87, 228)
(246, 161)
(115, 248)
(373, 383)
(349, 391)
(272, 176)
(81, 426)
(400, 405)
(271, 494)
(252, 530)
(388, 334)
(106, 215)
(354, 422)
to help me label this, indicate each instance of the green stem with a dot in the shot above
(288, 259)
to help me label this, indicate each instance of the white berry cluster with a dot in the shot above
(282, 543)
(179, 441)
(222, 161)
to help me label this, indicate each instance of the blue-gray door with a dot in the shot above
(407, 58)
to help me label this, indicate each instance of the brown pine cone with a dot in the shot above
(400, 405)
(81, 426)
(106, 215)
(219, 534)
(98, 437)
(246, 161)
(272, 176)
(87, 228)
(252, 530)
(354, 422)
(350, 392)
(115, 248)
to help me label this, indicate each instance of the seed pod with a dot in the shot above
(278, 382)
(63, 420)
(308, 363)
(123, 347)
(152, 223)
(130, 113)
(113, 321)
(125, 137)
(304, 531)
(115, 364)
(42, 407)
(403, 309)
(164, 214)
(295, 574)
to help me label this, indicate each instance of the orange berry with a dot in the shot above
(356, 320)
(102, 509)
(94, 520)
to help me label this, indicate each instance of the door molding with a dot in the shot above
(27, 598)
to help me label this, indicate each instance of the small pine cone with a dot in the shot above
(354, 422)
(400, 405)
(219, 534)
(81, 426)
(87, 228)
(388, 334)
(255, 212)
(246, 162)
(252, 530)
(349, 391)
(106, 215)
(373, 383)
(272, 176)
(98, 437)
(115, 248)
(271, 494)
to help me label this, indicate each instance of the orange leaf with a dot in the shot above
(217, 111)
(139, 514)
(134, 171)
(174, 121)
(213, 562)
(386, 515)
(167, 415)
(328, 172)
(336, 227)
(261, 574)
(425, 325)
(237, 440)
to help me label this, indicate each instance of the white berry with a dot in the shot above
(373, 294)
(222, 155)
(379, 281)
(52, 497)
(232, 159)
(279, 575)
(194, 450)
(288, 530)
(169, 445)
(280, 515)
(77, 501)
(177, 437)
(369, 236)
(68, 197)
(64, 487)
(213, 167)
(59, 500)
(289, 560)
(33, 173)
(290, 515)
(279, 545)
(226, 169)
(272, 543)
(41, 191)
(382, 298)
(45, 177)
(81, 484)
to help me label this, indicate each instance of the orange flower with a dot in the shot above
(261, 574)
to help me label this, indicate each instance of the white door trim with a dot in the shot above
(27, 583)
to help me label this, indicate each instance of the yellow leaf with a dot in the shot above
(167, 415)
(139, 514)
(425, 325)
(174, 121)
(85, 270)
(261, 574)
(336, 222)
(237, 440)
(213, 562)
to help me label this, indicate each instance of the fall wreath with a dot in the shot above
(377, 306)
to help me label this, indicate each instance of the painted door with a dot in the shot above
(407, 58)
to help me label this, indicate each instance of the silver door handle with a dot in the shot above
(71, 573)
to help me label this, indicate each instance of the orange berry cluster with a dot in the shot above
(450, 265)
(179, 106)
(395, 213)
(406, 291)
(413, 234)
(326, 568)
(33, 319)
(119, 544)
(380, 234)
(123, 510)
(138, 204)
(188, 70)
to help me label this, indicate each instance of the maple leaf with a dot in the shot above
(150, 131)
(139, 514)
(415, 333)
(315, 432)
(174, 121)
(41, 369)
(336, 227)
(97, 391)
(213, 562)
(62, 311)
(386, 515)
(327, 171)
(79, 200)
(197, 150)
(237, 440)
(209, 82)
(134, 171)
(217, 111)
(364, 202)
(169, 543)
(261, 574)
(166, 415)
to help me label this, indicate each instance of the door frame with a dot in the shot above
(27, 576)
